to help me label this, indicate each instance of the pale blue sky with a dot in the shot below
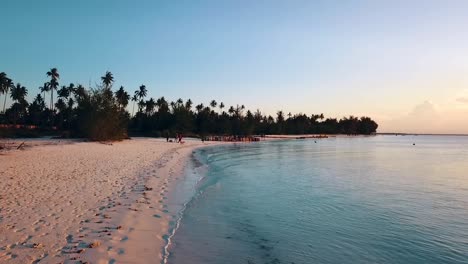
(376, 58)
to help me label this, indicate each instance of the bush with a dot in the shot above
(100, 118)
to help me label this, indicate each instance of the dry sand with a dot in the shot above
(77, 202)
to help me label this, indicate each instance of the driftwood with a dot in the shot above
(20, 145)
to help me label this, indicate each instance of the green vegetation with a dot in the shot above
(101, 114)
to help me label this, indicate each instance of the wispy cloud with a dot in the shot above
(462, 100)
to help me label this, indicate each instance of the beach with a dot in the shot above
(78, 202)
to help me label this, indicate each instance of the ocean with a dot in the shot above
(377, 199)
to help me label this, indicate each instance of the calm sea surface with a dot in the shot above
(374, 199)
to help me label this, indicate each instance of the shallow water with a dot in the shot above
(374, 199)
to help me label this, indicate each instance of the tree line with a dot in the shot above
(102, 112)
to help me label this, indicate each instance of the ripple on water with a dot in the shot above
(341, 200)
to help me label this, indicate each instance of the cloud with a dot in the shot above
(426, 110)
(430, 118)
(423, 118)
(462, 100)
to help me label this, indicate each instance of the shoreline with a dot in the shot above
(90, 202)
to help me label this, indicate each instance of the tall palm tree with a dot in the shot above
(18, 93)
(134, 99)
(63, 92)
(213, 103)
(80, 92)
(44, 88)
(221, 106)
(53, 84)
(199, 107)
(180, 102)
(142, 92)
(162, 105)
(107, 80)
(7, 85)
(3, 78)
(141, 105)
(71, 89)
(122, 97)
(150, 105)
(173, 105)
(231, 110)
(188, 104)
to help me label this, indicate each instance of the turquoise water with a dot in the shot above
(374, 199)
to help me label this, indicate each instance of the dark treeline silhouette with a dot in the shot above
(100, 113)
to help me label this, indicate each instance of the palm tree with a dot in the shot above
(53, 84)
(280, 116)
(142, 92)
(61, 106)
(107, 80)
(180, 102)
(134, 99)
(162, 105)
(18, 93)
(3, 78)
(7, 85)
(213, 104)
(71, 89)
(70, 103)
(141, 105)
(199, 107)
(122, 97)
(150, 105)
(140, 95)
(80, 92)
(188, 104)
(44, 88)
(221, 106)
(63, 92)
(173, 106)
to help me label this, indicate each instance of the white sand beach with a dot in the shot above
(78, 202)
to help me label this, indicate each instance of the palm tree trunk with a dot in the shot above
(52, 99)
(133, 109)
(4, 101)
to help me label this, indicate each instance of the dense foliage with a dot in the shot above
(101, 113)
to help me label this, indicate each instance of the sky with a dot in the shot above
(403, 63)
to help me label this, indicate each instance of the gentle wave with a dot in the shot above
(366, 200)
